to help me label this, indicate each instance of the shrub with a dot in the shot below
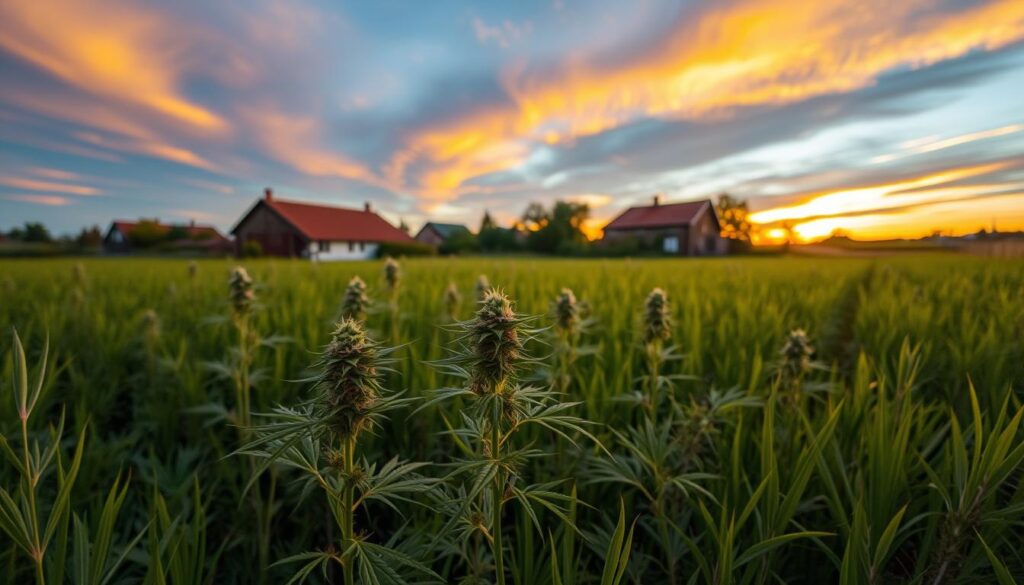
(398, 249)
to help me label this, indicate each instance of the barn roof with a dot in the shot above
(447, 230)
(325, 222)
(659, 216)
(194, 231)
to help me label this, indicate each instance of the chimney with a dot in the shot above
(368, 207)
(657, 200)
(268, 194)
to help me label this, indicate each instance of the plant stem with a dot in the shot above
(30, 491)
(348, 525)
(498, 494)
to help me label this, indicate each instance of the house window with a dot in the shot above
(323, 246)
(362, 246)
(351, 246)
(671, 245)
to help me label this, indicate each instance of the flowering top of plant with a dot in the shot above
(482, 286)
(242, 295)
(567, 311)
(657, 322)
(495, 343)
(797, 352)
(392, 273)
(452, 300)
(355, 301)
(349, 378)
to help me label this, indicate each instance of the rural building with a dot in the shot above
(319, 232)
(436, 234)
(124, 237)
(684, 229)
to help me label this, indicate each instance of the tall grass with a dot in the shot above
(882, 444)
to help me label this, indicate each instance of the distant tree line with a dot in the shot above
(37, 233)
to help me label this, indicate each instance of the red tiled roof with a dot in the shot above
(323, 222)
(655, 216)
(194, 231)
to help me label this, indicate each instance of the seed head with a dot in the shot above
(567, 311)
(657, 322)
(496, 343)
(452, 300)
(482, 287)
(150, 324)
(392, 273)
(349, 378)
(796, 353)
(355, 301)
(193, 269)
(242, 295)
(78, 273)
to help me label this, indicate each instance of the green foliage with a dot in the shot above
(400, 249)
(882, 446)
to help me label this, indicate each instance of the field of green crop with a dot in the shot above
(181, 429)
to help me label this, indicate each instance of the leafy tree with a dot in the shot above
(487, 223)
(498, 239)
(460, 243)
(177, 233)
(35, 232)
(733, 217)
(147, 233)
(89, 237)
(559, 231)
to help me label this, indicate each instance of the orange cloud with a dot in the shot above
(295, 140)
(35, 185)
(909, 208)
(49, 200)
(877, 197)
(119, 51)
(762, 52)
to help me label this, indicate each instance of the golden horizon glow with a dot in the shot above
(747, 55)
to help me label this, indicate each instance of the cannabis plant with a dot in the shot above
(320, 438)
(355, 302)
(490, 359)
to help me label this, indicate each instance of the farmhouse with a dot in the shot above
(124, 237)
(436, 234)
(319, 232)
(684, 229)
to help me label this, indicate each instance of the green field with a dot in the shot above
(892, 456)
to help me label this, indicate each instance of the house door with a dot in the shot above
(671, 245)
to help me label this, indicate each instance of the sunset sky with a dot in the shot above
(882, 119)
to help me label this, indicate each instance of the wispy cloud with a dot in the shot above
(47, 200)
(125, 52)
(37, 185)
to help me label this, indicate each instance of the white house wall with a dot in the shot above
(340, 251)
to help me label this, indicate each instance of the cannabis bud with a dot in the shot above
(567, 311)
(452, 300)
(349, 378)
(355, 301)
(796, 354)
(78, 273)
(242, 295)
(495, 342)
(482, 287)
(392, 274)
(657, 322)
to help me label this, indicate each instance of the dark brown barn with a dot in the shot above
(306, 230)
(684, 229)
